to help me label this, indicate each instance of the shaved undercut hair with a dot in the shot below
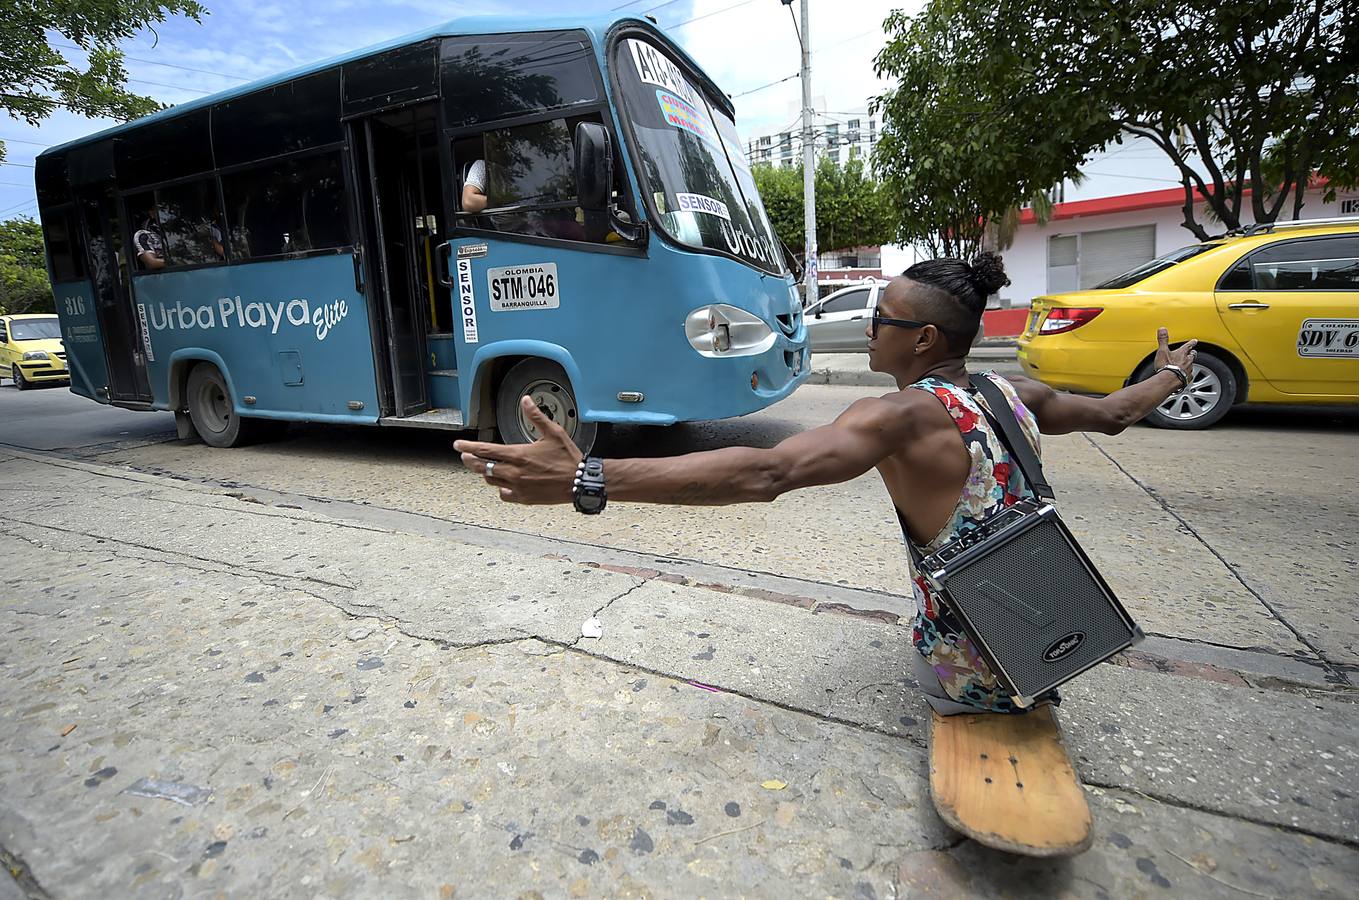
(951, 295)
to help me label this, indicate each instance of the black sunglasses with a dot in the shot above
(900, 323)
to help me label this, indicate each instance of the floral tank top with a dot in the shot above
(993, 483)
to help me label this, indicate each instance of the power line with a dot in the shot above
(14, 209)
(16, 183)
(716, 12)
(1133, 177)
(763, 86)
(156, 62)
(814, 52)
(173, 87)
(20, 165)
(19, 141)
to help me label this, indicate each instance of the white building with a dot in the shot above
(1088, 241)
(841, 136)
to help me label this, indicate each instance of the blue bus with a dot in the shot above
(423, 232)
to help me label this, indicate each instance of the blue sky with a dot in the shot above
(745, 45)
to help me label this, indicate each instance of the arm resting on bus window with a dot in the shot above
(542, 472)
(150, 261)
(1059, 413)
(473, 199)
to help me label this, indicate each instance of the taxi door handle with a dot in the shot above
(1251, 305)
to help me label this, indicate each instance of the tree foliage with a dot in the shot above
(36, 79)
(995, 103)
(853, 209)
(24, 286)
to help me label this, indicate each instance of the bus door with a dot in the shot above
(388, 192)
(121, 328)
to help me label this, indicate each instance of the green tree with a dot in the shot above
(995, 103)
(24, 286)
(852, 208)
(36, 79)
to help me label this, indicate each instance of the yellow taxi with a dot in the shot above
(31, 351)
(1275, 309)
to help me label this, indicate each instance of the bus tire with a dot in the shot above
(213, 412)
(20, 383)
(547, 384)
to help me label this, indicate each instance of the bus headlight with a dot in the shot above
(35, 354)
(722, 330)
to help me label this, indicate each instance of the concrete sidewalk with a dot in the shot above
(852, 368)
(347, 710)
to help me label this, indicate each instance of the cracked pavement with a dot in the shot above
(385, 697)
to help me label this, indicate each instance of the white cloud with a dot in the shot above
(755, 44)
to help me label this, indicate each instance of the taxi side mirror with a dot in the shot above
(594, 167)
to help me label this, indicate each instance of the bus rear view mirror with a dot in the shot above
(594, 167)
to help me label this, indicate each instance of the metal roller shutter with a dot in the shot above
(1105, 254)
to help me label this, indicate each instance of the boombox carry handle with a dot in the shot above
(1011, 435)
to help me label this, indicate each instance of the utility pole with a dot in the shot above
(808, 150)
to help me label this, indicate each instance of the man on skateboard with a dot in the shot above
(944, 467)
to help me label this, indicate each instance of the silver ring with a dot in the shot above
(489, 466)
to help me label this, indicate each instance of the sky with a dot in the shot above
(748, 47)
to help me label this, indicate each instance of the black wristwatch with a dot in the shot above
(587, 492)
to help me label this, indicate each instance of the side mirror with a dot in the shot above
(817, 314)
(594, 167)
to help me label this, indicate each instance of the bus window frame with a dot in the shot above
(342, 149)
(710, 91)
(607, 119)
(602, 105)
(74, 238)
(124, 193)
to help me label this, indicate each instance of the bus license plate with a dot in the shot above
(1331, 338)
(534, 286)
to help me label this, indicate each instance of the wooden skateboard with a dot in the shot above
(1006, 781)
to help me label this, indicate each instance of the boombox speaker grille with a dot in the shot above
(1063, 622)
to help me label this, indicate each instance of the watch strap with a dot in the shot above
(587, 490)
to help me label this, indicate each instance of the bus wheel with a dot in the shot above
(211, 410)
(547, 384)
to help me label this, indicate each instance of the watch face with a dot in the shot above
(591, 501)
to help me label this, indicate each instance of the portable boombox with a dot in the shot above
(1030, 599)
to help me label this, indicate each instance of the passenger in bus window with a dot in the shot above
(149, 243)
(474, 198)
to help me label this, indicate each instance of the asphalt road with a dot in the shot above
(1235, 537)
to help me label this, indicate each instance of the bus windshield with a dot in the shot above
(700, 188)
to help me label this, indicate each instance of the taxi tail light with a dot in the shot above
(1067, 318)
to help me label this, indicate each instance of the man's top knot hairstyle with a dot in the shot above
(954, 293)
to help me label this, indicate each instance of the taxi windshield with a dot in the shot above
(699, 184)
(34, 329)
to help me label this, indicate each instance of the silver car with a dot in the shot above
(836, 323)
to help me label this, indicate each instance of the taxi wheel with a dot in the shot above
(1210, 393)
(20, 382)
(547, 384)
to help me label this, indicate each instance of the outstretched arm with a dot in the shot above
(1059, 413)
(542, 472)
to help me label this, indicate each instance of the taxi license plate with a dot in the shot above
(1329, 338)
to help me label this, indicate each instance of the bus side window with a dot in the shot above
(287, 208)
(529, 179)
(68, 262)
(191, 223)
